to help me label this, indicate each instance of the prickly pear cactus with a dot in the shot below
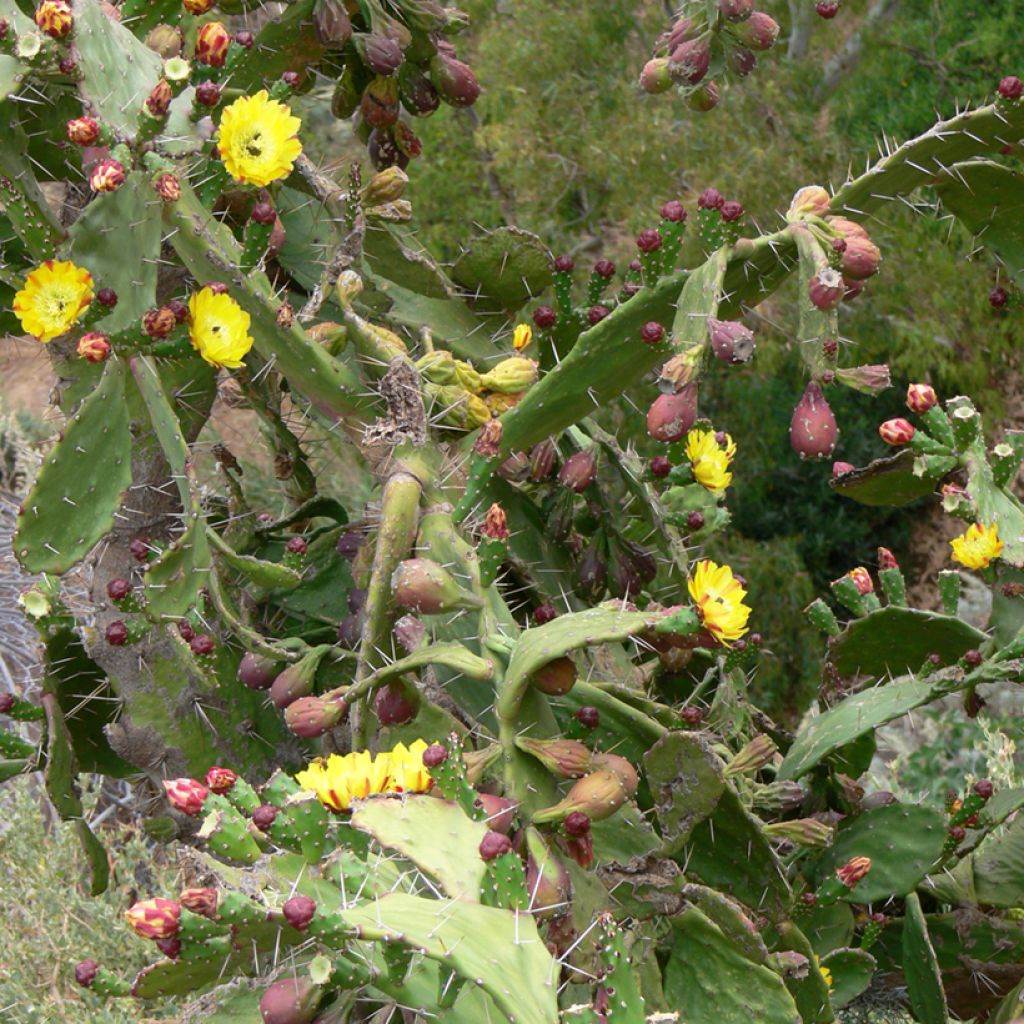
(472, 737)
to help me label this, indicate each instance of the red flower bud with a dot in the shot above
(299, 911)
(83, 131)
(168, 188)
(853, 871)
(212, 44)
(85, 972)
(862, 580)
(54, 18)
(998, 298)
(860, 259)
(221, 780)
(208, 94)
(106, 176)
(897, 432)
(731, 211)
(94, 347)
(827, 9)
(841, 468)
(392, 706)
(493, 845)
(435, 755)
(886, 559)
(200, 901)
(1010, 88)
(158, 102)
(155, 919)
(186, 795)
(264, 816)
(596, 314)
(674, 211)
(202, 644)
(649, 240)
(921, 397)
(116, 633)
(661, 466)
(652, 332)
(118, 589)
(544, 317)
(543, 614)
(198, 6)
(710, 199)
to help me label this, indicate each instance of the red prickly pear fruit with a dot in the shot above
(736, 10)
(418, 94)
(682, 31)
(578, 471)
(379, 103)
(731, 342)
(671, 416)
(827, 9)
(853, 289)
(556, 677)
(493, 845)
(655, 77)
(813, 431)
(690, 61)
(393, 705)
(410, 632)
(622, 768)
(299, 911)
(290, 1001)
(380, 53)
(704, 99)
(256, 671)
(421, 585)
(742, 61)
(310, 717)
(859, 259)
(289, 685)
(846, 227)
(826, 289)
(500, 811)
(759, 31)
(454, 81)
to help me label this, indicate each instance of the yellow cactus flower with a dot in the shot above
(719, 596)
(219, 328)
(826, 974)
(407, 772)
(258, 139)
(710, 460)
(977, 546)
(522, 336)
(337, 780)
(53, 298)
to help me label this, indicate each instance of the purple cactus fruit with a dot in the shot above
(731, 211)
(493, 845)
(454, 81)
(289, 685)
(349, 544)
(759, 31)
(671, 416)
(171, 947)
(299, 911)
(393, 706)
(690, 61)
(1011, 88)
(256, 671)
(710, 199)
(544, 317)
(117, 633)
(984, 788)
(310, 717)
(118, 589)
(85, 972)
(185, 630)
(812, 431)
(435, 755)
(736, 10)
(543, 614)
(826, 289)
(661, 466)
(742, 61)
(7, 701)
(380, 53)
(418, 94)
(578, 471)
(264, 816)
(695, 521)
(827, 9)
(731, 342)
(290, 1001)
(596, 314)
(542, 460)
(589, 717)
(203, 645)
(576, 824)
(859, 259)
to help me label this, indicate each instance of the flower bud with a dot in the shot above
(264, 817)
(1010, 87)
(165, 40)
(54, 18)
(106, 176)
(826, 289)
(167, 187)
(290, 1001)
(671, 416)
(421, 585)
(731, 211)
(690, 61)
(83, 131)
(853, 871)
(155, 919)
(393, 704)
(511, 375)
(649, 240)
(198, 7)
(545, 317)
(212, 44)
(860, 259)
(309, 717)
(203, 902)
(208, 94)
(94, 347)
(921, 398)
(827, 9)
(655, 77)
(753, 757)
(85, 972)
(298, 911)
(862, 580)
(116, 633)
(332, 24)
(897, 432)
(810, 200)
(158, 323)
(576, 824)
(186, 795)
(385, 186)
(842, 468)
(805, 831)
(435, 755)
(454, 81)
(555, 678)
(661, 466)
(578, 471)
(158, 102)
(220, 780)
(568, 759)
(812, 430)
(759, 31)
(542, 460)
(652, 332)
(544, 614)
(731, 342)
(682, 31)
(380, 53)
(494, 845)
(984, 789)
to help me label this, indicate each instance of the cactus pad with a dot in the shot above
(851, 970)
(506, 267)
(924, 981)
(886, 481)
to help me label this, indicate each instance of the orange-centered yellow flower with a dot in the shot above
(338, 780)
(53, 298)
(219, 328)
(710, 460)
(719, 596)
(258, 139)
(522, 336)
(977, 546)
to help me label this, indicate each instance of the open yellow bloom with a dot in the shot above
(219, 328)
(258, 139)
(977, 546)
(710, 460)
(522, 336)
(55, 295)
(337, 780)
(719, 596)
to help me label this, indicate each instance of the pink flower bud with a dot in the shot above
(886, 559)
(106, 176)
(212, 44)
(155, 919)
(202, 901)
(853, 871)
(186, 795)
(221, 780)
(94, 347)
(897, 432)
(921, 398)
(299, 911)
(862, 580)
(83, 131)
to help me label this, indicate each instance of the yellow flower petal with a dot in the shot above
(54, 297)
(219, 328)
(258, 139)
(522, 336)
(710, 460)
(978, 546)
(719, 596)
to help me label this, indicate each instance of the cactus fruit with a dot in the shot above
(813, 431)
(290, 1001)
(671, 416)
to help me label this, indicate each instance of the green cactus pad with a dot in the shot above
(998, 867)
(828, 926)
(287, 42)
(707, 978)
(986, 198)
(852, 970)
(811, 992)
(924, 980)
(72, 505)
(174, 977)
(126, 222)
(23, 202)
(1009, 1010)
(986, 938)
(895, 641)
(995, 505)
(271, 575)
(451, 856)
(118, 71)
(904, 842)
(728, 851)
(853, 717)
(497, 950)
(504, 268)
(887, 481)
(685, 779)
